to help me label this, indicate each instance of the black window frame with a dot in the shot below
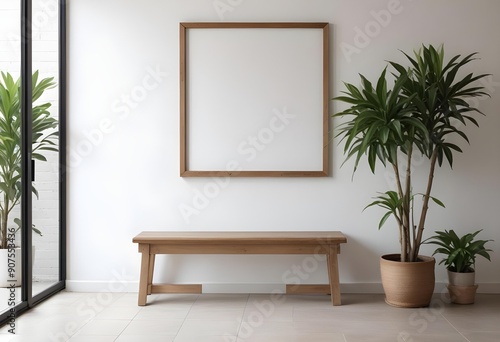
(27, 299)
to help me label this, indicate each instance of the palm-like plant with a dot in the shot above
(44, 138)
(426, 106)
(460, 252)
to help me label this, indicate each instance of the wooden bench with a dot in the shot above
(323, 242)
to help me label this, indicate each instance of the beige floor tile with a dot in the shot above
(192, 328)
(27, 338)
(81, 338)
(105, 317)
(215, 314)
(482, 336)
(153, 327)
(471, 323)
(117, 312)
(48, 309)
(279, 314)
(284, 337)
(483, 303)
(370, 337)
(163, 313)
(99, 299)
(221, 301)
(413, 326)
(127, 300)
(64, 298)
(145, 338)
(205, 339)
(56, 324)
(267, 328)
(104, 327)
(435, 338)
(92, 304)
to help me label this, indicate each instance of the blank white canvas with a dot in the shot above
(255, 99)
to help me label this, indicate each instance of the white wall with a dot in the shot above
(124, 143)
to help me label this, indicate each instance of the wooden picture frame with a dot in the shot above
(254, 99)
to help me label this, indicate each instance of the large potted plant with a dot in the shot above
(44, 138)
(425, 106)
(460, 260)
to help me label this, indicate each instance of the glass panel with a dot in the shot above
(46, 144)
(10, 191)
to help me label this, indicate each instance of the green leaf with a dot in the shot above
(460, 252)
(438, 202)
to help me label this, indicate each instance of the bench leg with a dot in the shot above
(143, 280)
(333, 274)
(150, 272)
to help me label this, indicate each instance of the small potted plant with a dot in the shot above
(460, 258)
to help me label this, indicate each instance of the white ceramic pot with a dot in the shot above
(461, 279)
(10, 265)
(7, 262)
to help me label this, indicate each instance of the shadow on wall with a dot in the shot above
(359, 258)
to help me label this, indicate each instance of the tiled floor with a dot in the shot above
(103, 317)
(37, 287)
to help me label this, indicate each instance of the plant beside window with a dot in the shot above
(44, 138)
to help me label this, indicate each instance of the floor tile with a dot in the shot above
(221, 301)
(127, 300)
(27, 338)
(470, 323)
(162, 313)
(285, 337)
(482, 336)
(106, 317)
(82, 338)
(270, 328)
(65, 298)
(104, 327)
(192, 328)
(268, 307)
(146, 338)
(371, 337)
(435, 338)
(205, 338)
(153, 327)
(217, 314)
(56, 324)
(279, 314)
(115, 312)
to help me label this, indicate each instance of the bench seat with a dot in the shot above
(152, 243)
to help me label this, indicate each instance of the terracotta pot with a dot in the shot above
(462, 294)
(407, 284)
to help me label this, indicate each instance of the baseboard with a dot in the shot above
(133, 286)
(101, 286)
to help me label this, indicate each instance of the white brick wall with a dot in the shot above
(45, 59)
